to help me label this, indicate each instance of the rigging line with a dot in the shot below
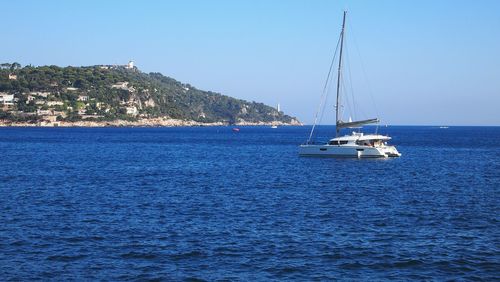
(321, 118)
(348, 81)
(370, 91)
(356, 108)
(328, 84)
(325, 102)
(327, 89)
(348, 102)
(350, 99)
(353, 101)
(324, 95)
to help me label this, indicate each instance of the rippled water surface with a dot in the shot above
(208, 203)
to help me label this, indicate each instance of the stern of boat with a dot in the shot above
(391, 152)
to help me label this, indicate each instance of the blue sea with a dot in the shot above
(207, 203)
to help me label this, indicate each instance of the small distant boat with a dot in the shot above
(236, 129)
(443, 127)
(274, 126)
(355, 145)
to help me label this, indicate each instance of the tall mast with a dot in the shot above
(337, 107)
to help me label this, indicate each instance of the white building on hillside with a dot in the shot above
(120, 85)
(6, 99)
(55, 103)
(83, 98)
(132, 110)
(43, 112)
(30, 98)
(123, 86)
(130, 65)
(40, 94)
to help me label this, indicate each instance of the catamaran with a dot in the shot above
(356, 144)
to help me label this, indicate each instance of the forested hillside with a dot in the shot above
(109, 92)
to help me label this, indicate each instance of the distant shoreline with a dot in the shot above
(156, 122)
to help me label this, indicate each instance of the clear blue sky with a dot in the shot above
(426, 62)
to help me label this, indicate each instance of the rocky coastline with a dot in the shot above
(151, 122)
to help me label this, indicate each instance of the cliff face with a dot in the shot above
(108, 93)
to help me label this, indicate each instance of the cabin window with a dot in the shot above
(338, 142)
(365, 143)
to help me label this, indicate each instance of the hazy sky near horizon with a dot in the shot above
(423, 62)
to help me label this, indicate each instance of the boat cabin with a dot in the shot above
(359, 139)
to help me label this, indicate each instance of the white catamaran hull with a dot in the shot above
(348, 151)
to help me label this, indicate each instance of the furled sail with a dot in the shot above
(341, 124)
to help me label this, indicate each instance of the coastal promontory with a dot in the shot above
(118, 95)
